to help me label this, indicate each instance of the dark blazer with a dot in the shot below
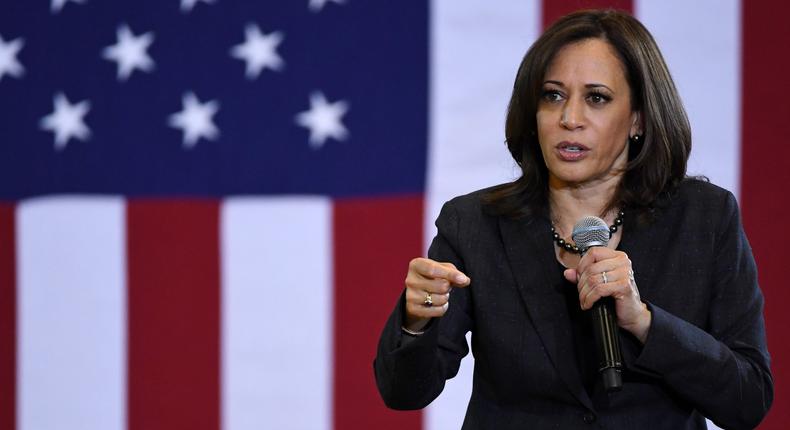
(705, 353)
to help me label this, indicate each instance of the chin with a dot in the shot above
(580, 178)
(570, 176)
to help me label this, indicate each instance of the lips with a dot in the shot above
(572, 151)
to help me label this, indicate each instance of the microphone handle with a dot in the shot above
(610, 360)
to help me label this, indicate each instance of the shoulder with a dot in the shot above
(470, 204)
(467, 210)
(701, 195)
(702, 189)
(697, 202)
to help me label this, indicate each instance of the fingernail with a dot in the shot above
(461, 279)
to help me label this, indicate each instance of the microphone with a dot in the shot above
(588, 232)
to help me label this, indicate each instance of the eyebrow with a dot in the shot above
(590, 85)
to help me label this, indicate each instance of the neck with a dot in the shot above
(570, 202)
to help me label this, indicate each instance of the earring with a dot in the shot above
(636, 138)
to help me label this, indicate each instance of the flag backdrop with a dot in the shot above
(207, 207)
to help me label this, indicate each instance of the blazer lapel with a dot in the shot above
(530, 251)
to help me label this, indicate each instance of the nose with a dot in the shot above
(572, 116)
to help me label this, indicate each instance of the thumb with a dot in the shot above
(571, 275)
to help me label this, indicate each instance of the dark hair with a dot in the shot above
(656, 164)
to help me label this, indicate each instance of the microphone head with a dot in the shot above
(590, 231)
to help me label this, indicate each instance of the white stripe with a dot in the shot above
(475, 53)
(701, 42)
(72, 314)
(276, 313)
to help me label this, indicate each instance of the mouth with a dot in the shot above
(572, 151)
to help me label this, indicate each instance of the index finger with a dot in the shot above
(458, 278)
(593, 255)
(433, 269)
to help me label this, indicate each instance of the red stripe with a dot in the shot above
(7, 318)
(174, 315)
(764, 173)
(553, 9)
(374, 241)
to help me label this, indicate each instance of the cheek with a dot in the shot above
(615, 153)
(614, 133)
(541, 121)
(544, 122)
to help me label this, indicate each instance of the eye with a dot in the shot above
(552, 95)
(597, 98)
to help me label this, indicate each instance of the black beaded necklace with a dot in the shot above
(573, 248)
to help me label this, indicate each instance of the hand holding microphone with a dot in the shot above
(630, 309)
(605, 282)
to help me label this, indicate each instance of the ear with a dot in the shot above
(637, 127)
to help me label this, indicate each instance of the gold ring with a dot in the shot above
(428, 301)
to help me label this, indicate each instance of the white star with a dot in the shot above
(187, 5)
(130, 52)
(317, 5)
(8, 61)
(195, 120)
(67, 120)
(56, 5)
(324, 120)
(259, 51)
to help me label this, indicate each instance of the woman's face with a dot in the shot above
(584, 114)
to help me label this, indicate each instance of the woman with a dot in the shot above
(597, 127)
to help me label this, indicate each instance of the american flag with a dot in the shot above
(207, 207)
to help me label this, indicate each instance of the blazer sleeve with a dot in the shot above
(411, 372)
(724, 371)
